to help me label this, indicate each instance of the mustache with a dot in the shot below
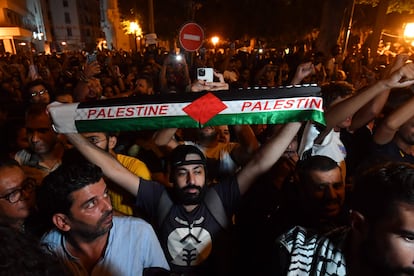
(189, 187)
(105, 215)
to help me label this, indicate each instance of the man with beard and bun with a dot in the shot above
(379, 241)
(85, 236)
(194, 242)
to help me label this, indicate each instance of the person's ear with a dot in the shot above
(61, 221)
(112, 140)
(358, 223)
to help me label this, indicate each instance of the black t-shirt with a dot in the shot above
(390, 152)
(194, 242)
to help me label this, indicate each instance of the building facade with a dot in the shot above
(75, 24)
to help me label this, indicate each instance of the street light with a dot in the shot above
(133, 27)
(215, 40)
(409, 33)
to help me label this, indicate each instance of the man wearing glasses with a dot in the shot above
(37, 92)
(16, 195)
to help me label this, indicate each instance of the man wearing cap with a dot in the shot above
(193, 241)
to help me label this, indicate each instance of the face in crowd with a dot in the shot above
(223, 134)
(75, 199)
(16, 195)
(90, 215)
(208, 133)
(42, 139)
(188, 174)
(39, 94)
(326, 192)
(102, 140)
(382, 218)
(322, 186)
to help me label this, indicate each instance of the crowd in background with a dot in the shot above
(367, 119)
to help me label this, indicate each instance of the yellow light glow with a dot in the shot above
(132, 27)
(409, 31)
(215, 40)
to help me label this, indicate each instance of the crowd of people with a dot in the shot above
(298, 198)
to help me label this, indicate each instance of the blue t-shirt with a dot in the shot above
(132, 246)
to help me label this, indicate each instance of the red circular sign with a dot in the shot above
(191, 37)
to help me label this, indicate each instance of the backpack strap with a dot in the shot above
(212, 201)
(164, 207)
(216, 208)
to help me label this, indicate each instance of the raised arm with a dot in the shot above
(63, 122)
(165, 137)
(374, 107)
(389, 126)
(267, 156)
(248, 144)
(109, 165)
(401, 78)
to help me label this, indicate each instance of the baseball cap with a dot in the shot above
(178, 156)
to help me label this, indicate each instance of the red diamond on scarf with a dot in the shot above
(205, 108)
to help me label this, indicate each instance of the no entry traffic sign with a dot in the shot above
(191, 36)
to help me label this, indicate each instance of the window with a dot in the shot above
(65, 3)
(69, 31)
(67, 18)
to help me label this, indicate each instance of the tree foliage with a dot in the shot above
(399, 6)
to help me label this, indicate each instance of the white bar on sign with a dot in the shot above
(191, 37)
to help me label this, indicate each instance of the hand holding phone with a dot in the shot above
(205, 74)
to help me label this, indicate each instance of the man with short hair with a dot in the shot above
(379, 240)
(86, 237)
(16, 195)
(37, 92)
(46, 146)
(144, 85)
(315, 200)
(107, 141)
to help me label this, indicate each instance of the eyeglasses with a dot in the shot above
(95, 140)
(15, 196)
(40, 93)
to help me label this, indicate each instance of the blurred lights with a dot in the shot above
(409, 32)
(132, 27)
(38, 36)
(215, 40)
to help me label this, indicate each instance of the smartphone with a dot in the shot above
(91, 57)
(205, 74)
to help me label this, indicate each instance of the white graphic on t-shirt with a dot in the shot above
(190, 245)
